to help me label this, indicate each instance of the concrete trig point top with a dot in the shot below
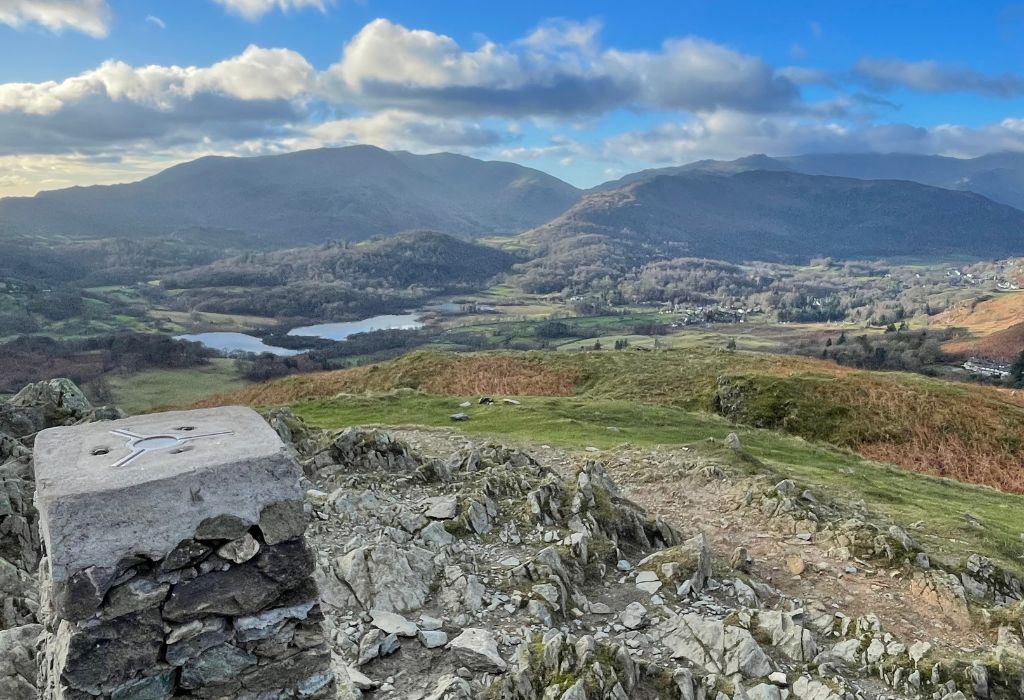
(139, 486)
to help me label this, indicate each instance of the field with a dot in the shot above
(155, 388)
(972, 433)
(894, 494)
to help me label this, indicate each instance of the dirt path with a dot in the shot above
(661, 482)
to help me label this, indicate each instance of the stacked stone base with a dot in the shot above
(232, 612)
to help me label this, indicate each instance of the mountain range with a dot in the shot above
(842, 205)
(305, 197)
(786, 216)
(998, 176)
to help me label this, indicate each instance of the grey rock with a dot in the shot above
(432, 639)
(634, 616)
(764, 691)
(240, 550)
(111, 652)
(388, 578)
(393, 623)
(138, 594)
(241, 590)
(18, 670)
(479, 518)
(282, 521)
(266, 623)
(216, 665)
(222, 527)
(786, 635)
(477, 649)
(714, 646)
(155, 687)
(442, 508)
(212, 633)
(186, 553)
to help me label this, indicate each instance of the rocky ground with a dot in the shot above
(451, 568)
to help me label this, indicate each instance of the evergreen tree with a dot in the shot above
(1016, 377)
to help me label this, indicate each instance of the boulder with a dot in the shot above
(477, 649)
(387, 577)
(715, 646)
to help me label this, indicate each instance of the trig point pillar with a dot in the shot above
(176, 561)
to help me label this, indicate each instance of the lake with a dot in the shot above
(242, 342)
(236, 342)
(340, 331)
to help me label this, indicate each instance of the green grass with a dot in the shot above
(892, 494)
(154, 388)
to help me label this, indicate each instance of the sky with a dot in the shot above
(104, 91)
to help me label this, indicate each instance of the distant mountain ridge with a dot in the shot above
(757, 206)
(998, 176)
(306, 197)
(785, 216)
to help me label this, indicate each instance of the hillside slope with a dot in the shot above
(305, 197)
(987, 315)
(1003, 346)
(785, 216)
(963, 431)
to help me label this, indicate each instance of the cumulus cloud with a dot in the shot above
(560, 69)
(932, 76)
(732, 135)
(254, 9)
(91, 17)
(255, 74)
(257, 94)
(398, 130)
(420, 90)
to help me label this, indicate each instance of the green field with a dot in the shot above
(890, 493)
(155, 388)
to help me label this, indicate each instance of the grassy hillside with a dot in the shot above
(986, 315)
(156, 388)
(1003, 345)
(896, 495)
(963, 431)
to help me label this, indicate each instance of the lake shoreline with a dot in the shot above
(233, 343)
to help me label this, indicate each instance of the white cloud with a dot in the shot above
(559, 69)
(91, 17)
(255, 74)
(156, 21)
(384, 52)
(398, 130)
(932, 76)
(254, 9)
(728, 135)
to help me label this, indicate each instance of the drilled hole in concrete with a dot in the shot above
(186, 428)
(97, 451)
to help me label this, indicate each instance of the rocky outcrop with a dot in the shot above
(482, 572)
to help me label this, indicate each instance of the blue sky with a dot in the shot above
(98, 91)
